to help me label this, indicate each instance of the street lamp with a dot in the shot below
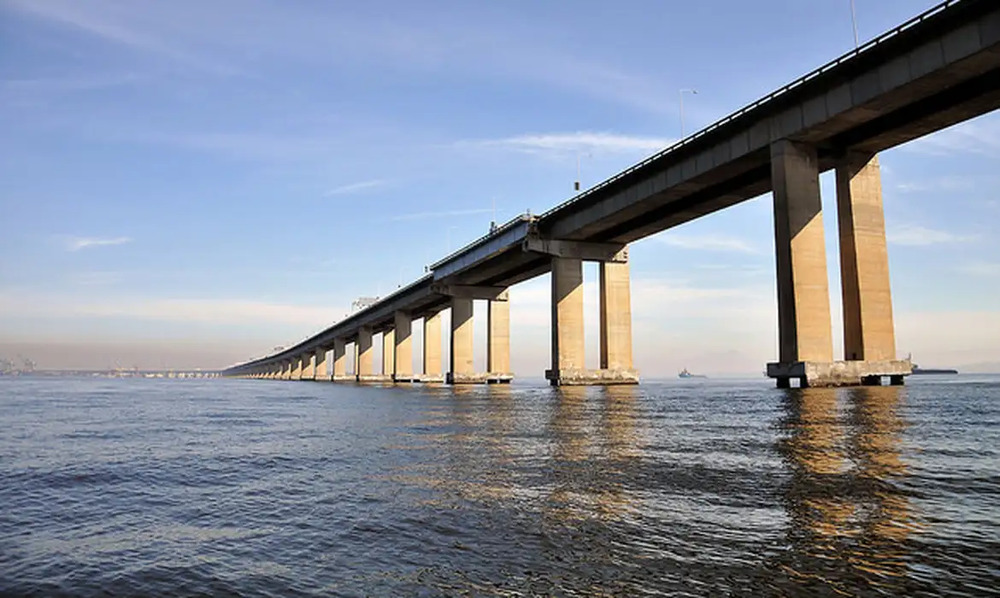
(680, 95)
(854, 22)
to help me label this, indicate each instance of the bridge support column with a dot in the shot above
(498, 342)
(432, 371)
(287, 370)
(296, 368)
(869, 332)
(388, 354)
(340, 361)
(616, 321)
(461, 367)
(308, 370)
(804, 332)
(402, 368)
(365, 354)
(319, 366)
(568, 346)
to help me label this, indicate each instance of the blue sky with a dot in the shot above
(192, 183)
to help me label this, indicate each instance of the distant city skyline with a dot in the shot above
(192, 184)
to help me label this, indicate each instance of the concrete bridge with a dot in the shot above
(939, 69)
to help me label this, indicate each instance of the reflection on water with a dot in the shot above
(708, 488)
(849, 516)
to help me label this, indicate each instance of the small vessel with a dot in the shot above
(917, 370)
(686, 374)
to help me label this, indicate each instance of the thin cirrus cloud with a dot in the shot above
(78, 243)
(444, 214)
(354, 188)
(917, 236)
(709, 243)
(580, 141)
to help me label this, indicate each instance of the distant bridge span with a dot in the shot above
(936, 70)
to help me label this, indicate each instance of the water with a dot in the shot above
(261, 488)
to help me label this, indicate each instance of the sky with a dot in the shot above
(190, 184)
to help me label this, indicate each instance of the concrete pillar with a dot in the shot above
(363, 361)
(498, 337)
(461, 339)
(286, 373)
(403, 366)
(804, 329)
(339, 359)
(567, 317)
(308, 371)
(388, 352)
(616, 316)
(869, 333)
(319, 367)
(432, 346)
(296, 368)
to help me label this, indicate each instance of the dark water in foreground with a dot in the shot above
(260, 488)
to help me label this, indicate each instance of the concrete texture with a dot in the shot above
(402, 369)
(585, 377)
(839, 373)
(461, 337)
(432, 348)
(388, 352)
(320, 369)
(869, 333)
(308, 369)
(498, 337)
(479, 378)
(616, 316)
(365, 354)
(339, 359)
(567, 314)
(804, 331)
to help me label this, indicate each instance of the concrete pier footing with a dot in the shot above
(839, 373)
(584, 377)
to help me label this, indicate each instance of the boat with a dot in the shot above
(917, 370)
(686, 374)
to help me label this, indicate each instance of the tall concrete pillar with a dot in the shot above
(308, 370)
(567, 319)
(296, 368)
(363, 361)
(319, 367)
(287, 371)
(869, 333)
(804, 329)
(461, 365)
(339, 359)
(432, 370)
(498, 337)
(388, 352)
(402, 369)
(616, 316)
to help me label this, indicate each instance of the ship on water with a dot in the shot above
(686, 374)
(917, 370)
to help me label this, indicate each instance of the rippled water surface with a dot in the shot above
(265, 488)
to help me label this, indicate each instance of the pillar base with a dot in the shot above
(839, 373)
(429, 378)
(343, 378)
(405, 378)
(375, 378)
(480, 378)
(592, 377)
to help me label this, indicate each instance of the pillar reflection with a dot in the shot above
(849, 517)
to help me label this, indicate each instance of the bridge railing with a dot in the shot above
(758, 104)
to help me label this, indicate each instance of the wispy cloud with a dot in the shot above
(982, 268)
(708, 243)
(444, 214)
(980, 136)
(580, 141)
(78, 243)
(916, 235)
(354, 188)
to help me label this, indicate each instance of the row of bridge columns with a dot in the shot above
(805, 339)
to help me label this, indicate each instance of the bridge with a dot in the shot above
(936, 70)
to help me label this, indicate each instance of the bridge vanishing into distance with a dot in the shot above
(936, 70)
